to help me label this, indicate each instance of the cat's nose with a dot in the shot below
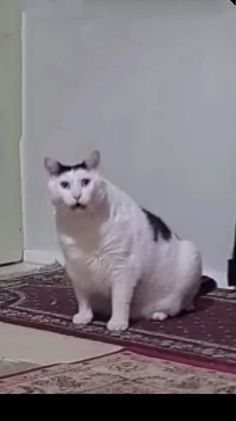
(77, 197)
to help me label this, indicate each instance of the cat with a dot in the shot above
(122, 260)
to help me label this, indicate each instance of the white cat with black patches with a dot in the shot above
(121, 259)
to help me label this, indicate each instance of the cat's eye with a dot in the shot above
(85, 182)
(65, 185)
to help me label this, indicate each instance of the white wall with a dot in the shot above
(150, 83)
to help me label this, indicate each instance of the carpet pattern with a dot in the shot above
(120, 373)
(45, 300)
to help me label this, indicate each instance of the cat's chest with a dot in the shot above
(99, 247)
(99, 255)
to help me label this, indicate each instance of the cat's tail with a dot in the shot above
(208, 285)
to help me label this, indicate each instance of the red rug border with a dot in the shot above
(187, 359)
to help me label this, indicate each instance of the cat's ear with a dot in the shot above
(93, 161)
(52, 166)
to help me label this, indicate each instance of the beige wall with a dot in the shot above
(151, 84)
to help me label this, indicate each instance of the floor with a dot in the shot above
(17, 267)
(23, 348)
(122, 372)
(40, 347)
(34, 361)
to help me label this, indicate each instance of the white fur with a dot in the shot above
(112, 259)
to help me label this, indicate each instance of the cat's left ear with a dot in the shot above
(52, 166)
(93, 161)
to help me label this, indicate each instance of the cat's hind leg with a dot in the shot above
(159, 316)
(168, 307)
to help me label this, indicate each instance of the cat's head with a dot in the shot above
(79, 186)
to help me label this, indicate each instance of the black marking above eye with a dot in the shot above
(66, 168)
(85, 182)
(65, 184)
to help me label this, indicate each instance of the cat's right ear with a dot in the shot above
(93, 161)
(52, 167)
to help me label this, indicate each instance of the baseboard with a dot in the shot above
(45, 257)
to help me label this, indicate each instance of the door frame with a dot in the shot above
(11, 52)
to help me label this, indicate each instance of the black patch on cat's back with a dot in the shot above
(158, 226)
(65, 168)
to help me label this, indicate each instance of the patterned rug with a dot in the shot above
(120, 373)
(45, 300)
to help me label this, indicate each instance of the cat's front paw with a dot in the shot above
(115, 324)
(83, 318)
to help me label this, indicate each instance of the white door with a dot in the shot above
(11, 243)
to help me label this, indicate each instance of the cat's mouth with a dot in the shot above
(78, 206)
